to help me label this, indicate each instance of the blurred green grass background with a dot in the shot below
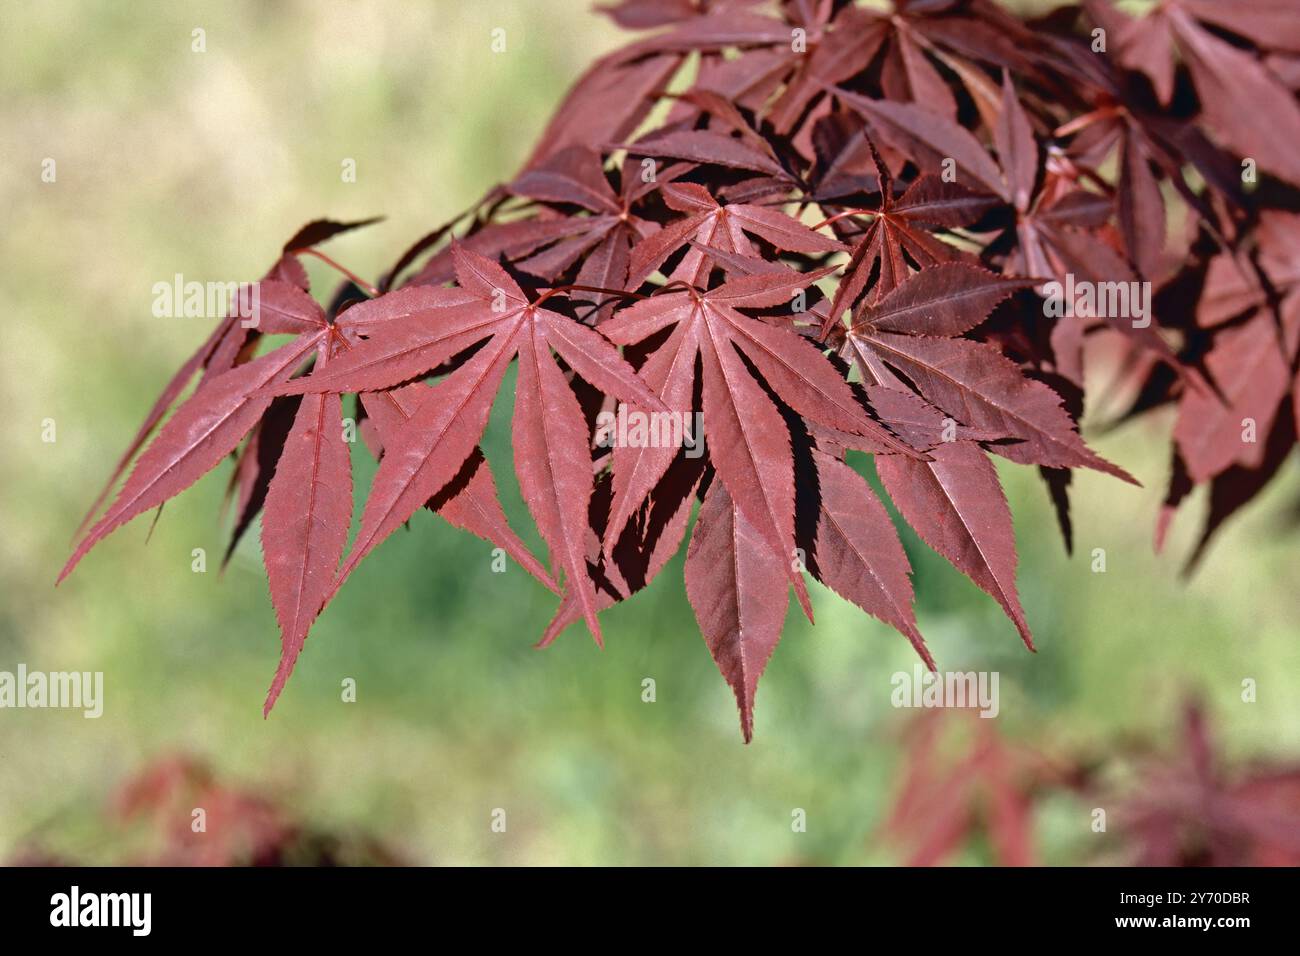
(170, 161)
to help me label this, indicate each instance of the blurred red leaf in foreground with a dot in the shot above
(965, 784)
(154, 819)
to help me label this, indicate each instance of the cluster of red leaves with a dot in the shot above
(964, 784)
(952, 791)
(931, 167)
(151, 822)
(1190, 810)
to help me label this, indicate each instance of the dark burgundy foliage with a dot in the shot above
(827, 229)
